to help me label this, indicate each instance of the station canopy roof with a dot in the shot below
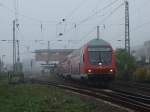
(52, 54)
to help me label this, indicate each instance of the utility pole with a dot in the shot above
(15, 32)
(31, 64)
(127, 28)
(14, 46)
(98, 33)
(18, 51)
(16, 11)
(48, 51)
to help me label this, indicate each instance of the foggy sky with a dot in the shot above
(49, 13)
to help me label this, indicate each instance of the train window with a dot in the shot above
(99, 49)
(104, 57)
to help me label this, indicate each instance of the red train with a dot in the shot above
(94, 62)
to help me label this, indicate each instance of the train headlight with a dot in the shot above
(89, 71)
(111, 70)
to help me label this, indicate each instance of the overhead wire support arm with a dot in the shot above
(98, 32)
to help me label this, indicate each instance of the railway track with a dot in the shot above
(134, 88)
(143, 87)
(129, 100)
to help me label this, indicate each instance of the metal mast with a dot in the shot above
(98, 32)
(127, 27)
(14, 46)
(16, 12)
(15, 32)
(18, 51)
(48, 52)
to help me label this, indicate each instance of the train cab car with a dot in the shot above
(95, 61)
(98, 61)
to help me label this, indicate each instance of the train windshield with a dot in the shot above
(100, 55)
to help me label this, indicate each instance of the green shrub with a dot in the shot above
(141, 74)
(148, 75)
(126, 65)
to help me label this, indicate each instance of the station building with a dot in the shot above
(52, 55)
(142, 53)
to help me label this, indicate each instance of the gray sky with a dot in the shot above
(49, 13)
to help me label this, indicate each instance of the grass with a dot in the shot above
(38, 98)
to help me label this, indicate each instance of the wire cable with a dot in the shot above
(140, 26)
(86, 35)
(97, 12)
(27, 17)
(112, 12)
(91, 16)
(108, 16)
(75, 9)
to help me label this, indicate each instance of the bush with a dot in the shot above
(126, 64)
(139, 74)
(142, 74)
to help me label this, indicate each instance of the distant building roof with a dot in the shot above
(54, 50)
(52, 54)
(147, 43)
(143, 51)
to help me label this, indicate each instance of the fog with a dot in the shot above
(43, 20)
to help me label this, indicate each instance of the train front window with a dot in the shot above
(97, 56)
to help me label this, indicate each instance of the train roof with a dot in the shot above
(98, 42)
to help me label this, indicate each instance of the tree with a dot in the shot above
(126, 64)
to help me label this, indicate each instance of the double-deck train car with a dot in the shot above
(94, 62)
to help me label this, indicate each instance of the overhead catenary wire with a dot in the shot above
(41, 21)
(75, 9)
(70, 15)
(137, 27)
(97, 12)
(55, 22)
(112, 12)
(98, 5)
(140, 26)
(66, 19)
(28, 17)
(91, 16)
(93, 29)
(106, 18)
(80, 5)
(87, 34)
